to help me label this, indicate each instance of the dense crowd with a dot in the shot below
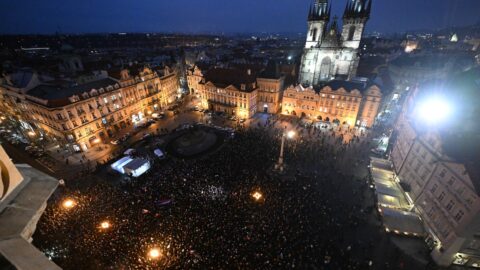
(318, 215)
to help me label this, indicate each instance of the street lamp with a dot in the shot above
(257, 196)
(154, 253)
(68, 204)
(290, 135)
(435, 110)
(105, 225)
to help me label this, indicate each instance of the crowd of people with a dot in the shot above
(200, 213)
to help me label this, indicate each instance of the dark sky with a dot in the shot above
(230, 16)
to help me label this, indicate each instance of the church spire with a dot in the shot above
(358, 9)
(319, 10)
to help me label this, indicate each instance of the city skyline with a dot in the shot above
(215, 16)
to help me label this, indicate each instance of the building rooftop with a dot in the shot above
(57, 95)
(223, 77)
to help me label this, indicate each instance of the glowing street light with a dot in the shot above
(257, 195)
(290, 134)
(68, 203)
(105, 225)
(31, 133)
(434, 110)
(154, 253)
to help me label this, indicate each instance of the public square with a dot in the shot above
(228, 209)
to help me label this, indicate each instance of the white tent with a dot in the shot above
(119, 164)
(137, 167)
(402, 222)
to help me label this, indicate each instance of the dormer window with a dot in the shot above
(242, 86)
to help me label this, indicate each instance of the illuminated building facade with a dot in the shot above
(84, 115)
(329, 53)
(239, 92)
(339, 101)
(438, 164)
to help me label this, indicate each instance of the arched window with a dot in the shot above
(313, 33)
(325, 68)
(351, 32)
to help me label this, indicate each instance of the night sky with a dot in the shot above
(207, 16)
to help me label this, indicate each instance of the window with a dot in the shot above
(451, 181)
(417, 168)
(313, 33)
(450, 205)
(441, 196)
(459, 215)
(351, 32)
(105, 100)
(442, 173)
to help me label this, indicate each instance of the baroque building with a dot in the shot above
(329, 53)
(83, 115)
(238, 92)
(340, 102)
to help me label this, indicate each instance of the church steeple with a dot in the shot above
(320, 11)
(358, 9)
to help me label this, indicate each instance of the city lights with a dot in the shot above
(291, 134)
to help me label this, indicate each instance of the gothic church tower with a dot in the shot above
(329, 54)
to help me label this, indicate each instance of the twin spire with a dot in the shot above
(321, 9)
